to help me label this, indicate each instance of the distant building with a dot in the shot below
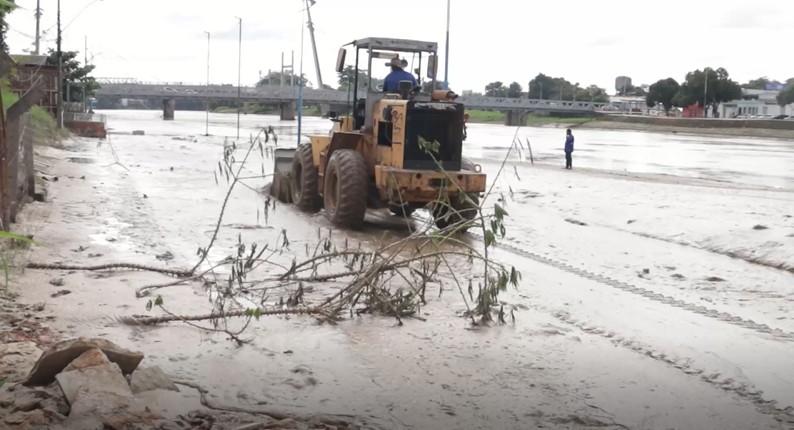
(628, 104)
(755, 103)
(29, 68)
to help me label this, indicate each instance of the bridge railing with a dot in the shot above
(283, 94)
(84, 117)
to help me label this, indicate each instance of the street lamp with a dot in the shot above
(239, 65)
(446, 53)
(206, 102)
(59, 98)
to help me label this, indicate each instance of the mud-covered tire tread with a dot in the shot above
(308, 198)
(466, 210)
(351, 171)
(401, 210)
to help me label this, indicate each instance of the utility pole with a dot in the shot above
(314, 45)
(207, 103)
(59, 98)
(239, 66)
(38, 19)
(705, 92)
(85, 64)
(446, 53)
(300, 86)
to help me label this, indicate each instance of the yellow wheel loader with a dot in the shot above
(400, 148)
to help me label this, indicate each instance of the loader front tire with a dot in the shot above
(304, 181)
(345, 191)
(456, 211)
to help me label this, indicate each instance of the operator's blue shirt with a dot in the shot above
(392, 81)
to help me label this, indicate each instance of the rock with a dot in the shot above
(760, 227)
(130, 421)
(54, 360)
(40, 418)
(94, 405)
(288, 423)
(98, 380)
(92, 357)
(138, 132)
(16, 360)
(151, 378)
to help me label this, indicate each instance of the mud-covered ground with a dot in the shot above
(657, 282)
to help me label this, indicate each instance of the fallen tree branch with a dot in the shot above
(110, 266)
(144, 320)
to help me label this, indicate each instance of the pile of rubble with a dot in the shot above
(82, 383)
(92, 384)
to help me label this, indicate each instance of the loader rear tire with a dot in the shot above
(304, 181)
(345, 191)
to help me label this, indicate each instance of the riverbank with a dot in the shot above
(607, 336)
(705, 131)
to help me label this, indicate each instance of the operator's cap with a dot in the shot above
(396, 62)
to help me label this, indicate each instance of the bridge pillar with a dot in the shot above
(169, 106)
(288, 111)
(515, 118)
(325, 108)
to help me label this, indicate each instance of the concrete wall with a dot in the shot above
(702, 122)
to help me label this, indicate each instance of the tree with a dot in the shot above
(662, 92)
(77, 84)
(757, 84)
(274, 78)
(713, 85)
(496, 89)
(543, 87)
(428, 87)
(786, 97)
(593, 93)
(6, 7)
(514, 90)
(347, 76)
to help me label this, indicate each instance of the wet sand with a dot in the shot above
(647, 300)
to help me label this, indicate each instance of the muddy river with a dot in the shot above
(657, 288)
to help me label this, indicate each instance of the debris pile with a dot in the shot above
(80, 383)
(90, 384)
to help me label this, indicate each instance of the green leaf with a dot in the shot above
(499, 211)
(490, 239)
(13, 236)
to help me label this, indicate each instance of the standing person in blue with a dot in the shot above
(568, 149)
(392, 81)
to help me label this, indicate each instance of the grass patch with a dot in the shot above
(538, 120)
(485, 116)
(44, 125)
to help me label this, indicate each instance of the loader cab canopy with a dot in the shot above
(373, 56)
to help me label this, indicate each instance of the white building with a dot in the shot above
(754, 104)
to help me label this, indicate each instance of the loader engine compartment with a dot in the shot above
(442, 122)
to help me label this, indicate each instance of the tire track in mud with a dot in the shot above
(743, 390)
(644, 292)
(759, 261)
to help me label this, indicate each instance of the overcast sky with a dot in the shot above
(589, 42)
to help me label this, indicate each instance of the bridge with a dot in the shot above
(287, 96)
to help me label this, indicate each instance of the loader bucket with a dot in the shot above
(282, 172)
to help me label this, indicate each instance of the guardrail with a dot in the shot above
(84, 117)
(279, 94)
